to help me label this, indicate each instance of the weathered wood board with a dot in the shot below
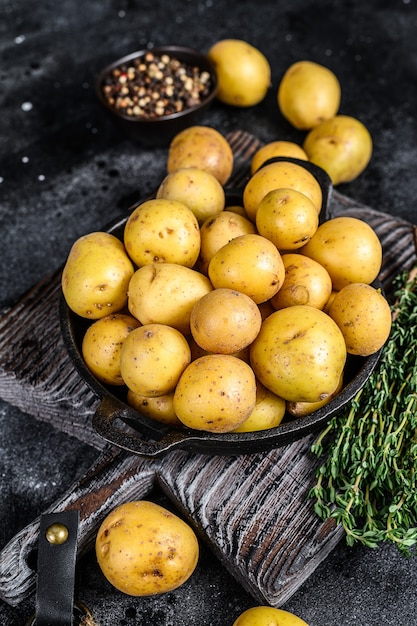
(252, 510)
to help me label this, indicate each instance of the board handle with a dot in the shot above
(114, 478)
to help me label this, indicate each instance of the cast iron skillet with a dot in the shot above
(123, 426)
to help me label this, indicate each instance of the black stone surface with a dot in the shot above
(65, 171)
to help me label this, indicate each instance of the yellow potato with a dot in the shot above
(280, 174)
(268, 616)
(308, 94)
(287, 217)
(250, 264)
(364, 317)
(216, 393)
(102, 344)
(159, 408)
(301, 409)
(197, 351)
(217, 231)
(279, 148)
(162, 231)
(225, 321)
(243, 72)
(236, 208)
(306, 282)
(165, 293)
(299, 354)
(342, 146)
(202, 147)
(145, 550)
(268, 413)
(199, 190)
(152, 359)
(348, 248)
(96, 276)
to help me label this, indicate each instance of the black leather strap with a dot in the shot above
(57, 549)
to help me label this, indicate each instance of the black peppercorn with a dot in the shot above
(155, 86)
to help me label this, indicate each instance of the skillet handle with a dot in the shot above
(142, 436)
(115, 477)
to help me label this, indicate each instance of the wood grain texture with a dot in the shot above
(114, 478)
(252, 510)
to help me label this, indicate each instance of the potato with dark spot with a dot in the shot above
(278, 175)
(153, 358)
(306, 282)
(145, 550)
(96, 276)
(364, 317)
(162, 231)
(102, 345)
(217, 231)
(159, 408)
(299, 354)
(216, 393)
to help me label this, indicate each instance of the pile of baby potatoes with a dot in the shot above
(223, 318)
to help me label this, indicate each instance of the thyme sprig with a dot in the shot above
(367, 480)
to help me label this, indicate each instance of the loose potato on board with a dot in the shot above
(145, 550)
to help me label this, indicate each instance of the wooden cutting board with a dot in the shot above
(252, 510)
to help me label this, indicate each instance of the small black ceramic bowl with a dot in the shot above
(153, 99)
(121, 425)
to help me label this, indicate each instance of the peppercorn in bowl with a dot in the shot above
(155, 93)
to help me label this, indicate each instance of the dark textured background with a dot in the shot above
(64, 171)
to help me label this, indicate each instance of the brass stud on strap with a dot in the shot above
(56, 534)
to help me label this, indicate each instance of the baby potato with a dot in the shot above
(299, 354)
(145, 550)
(96, 275)
(217, 231)
(165, 293)
(269, 411)
(308, 94)
(305, 282)
(202, 147)
(342, 146)
(199, 190)
(153, 358)
(280, 174)
(268, 616)
(216, 393)
(243, 72)
(301, 409)
(348, 248)
(159, 408)
(225, 321)
(364, 317)
(102, 344)
(287, 217)
(250, 264)
(279, 148)
(162, 231)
